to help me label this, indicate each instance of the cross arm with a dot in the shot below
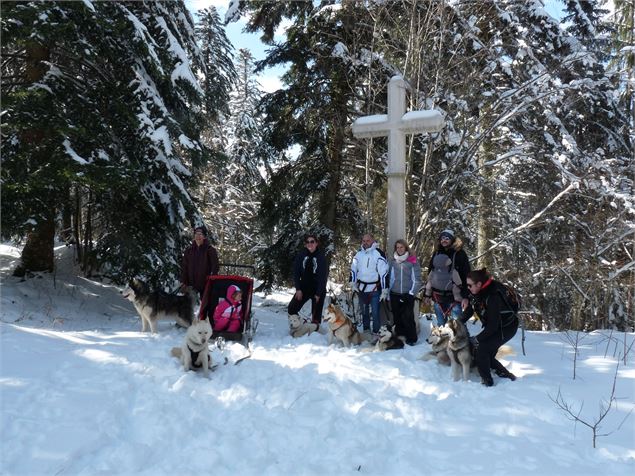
(415, 122)
(371, 126)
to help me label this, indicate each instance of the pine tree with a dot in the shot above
(101, 125)
(231, 191)
(313, 191)
(220, 77)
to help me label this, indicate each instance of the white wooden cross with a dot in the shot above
(396, 124)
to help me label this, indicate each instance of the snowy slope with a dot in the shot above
(84, 392)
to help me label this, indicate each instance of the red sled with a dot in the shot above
(215, 291)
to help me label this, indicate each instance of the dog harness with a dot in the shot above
(194, 356)
(353, 329)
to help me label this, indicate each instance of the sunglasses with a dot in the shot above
(310, 242)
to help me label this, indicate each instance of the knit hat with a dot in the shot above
(202, 229)
(447, 232)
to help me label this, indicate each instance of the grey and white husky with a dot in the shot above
(438, 339)
(194, 352)
(459, 350)
(153, 306)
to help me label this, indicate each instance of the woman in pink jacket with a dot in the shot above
(228, 314)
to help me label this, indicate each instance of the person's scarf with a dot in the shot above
(401, 258)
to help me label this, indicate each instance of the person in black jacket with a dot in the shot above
(309, 278)
(452, 247)
(500, 323)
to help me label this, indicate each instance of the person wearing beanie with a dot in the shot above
(451, 246)
(200, 260)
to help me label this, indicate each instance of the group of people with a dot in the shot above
(455, 291)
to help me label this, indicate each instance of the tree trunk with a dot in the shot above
(37, 254)
(485, 213)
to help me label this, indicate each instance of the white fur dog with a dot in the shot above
(194, 353)
(299, 326)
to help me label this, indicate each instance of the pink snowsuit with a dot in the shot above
(228, 313)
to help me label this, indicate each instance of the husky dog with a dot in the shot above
(299, 326)
(438, 339)
(459, 350)
(156, 305)
(194, 352)
(388, 340)
(341, 327)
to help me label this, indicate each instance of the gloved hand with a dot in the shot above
(385, 294)
(354, 287)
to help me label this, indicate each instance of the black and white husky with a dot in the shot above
(388, 340)
(154, 306)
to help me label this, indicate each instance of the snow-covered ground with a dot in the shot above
(84, 392)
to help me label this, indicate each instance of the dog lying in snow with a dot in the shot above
(438, 339)
(388, 340)
(299, 326)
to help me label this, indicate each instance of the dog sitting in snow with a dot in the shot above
(299, 326)
(194, 352)
(388, 340)
(438, 339)
(341, 328)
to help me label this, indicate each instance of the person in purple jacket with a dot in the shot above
(200, 260)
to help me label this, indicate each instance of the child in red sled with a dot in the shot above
(228, 313)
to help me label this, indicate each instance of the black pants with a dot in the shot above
(316, 307)
(403, 315)
(485, 355)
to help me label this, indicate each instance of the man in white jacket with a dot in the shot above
(368, 274)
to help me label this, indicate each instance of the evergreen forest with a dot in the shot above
(127, 123)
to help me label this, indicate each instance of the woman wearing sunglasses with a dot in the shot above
(500, 323)
(309, 278)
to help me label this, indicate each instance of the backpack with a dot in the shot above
(441, 275)
(511, 297)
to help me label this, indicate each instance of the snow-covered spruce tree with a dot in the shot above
(232, 195)
(220, 77)
(313, 111)
(102, 118)
(566, 135)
